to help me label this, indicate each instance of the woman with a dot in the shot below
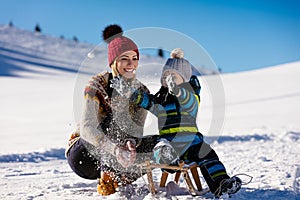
(108, 138)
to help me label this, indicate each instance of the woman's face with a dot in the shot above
(127, 63)
(176, 77)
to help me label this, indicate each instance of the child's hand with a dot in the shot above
(136, 97)
(172, 87)
(164, 153)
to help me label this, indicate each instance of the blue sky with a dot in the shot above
(239, 35)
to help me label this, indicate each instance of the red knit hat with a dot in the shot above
(117, 43)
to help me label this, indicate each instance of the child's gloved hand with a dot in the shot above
(137, 97)
(172, 87)
(164, 153)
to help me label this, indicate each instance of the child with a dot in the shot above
(176, 106)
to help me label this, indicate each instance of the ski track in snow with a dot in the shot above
(260, 137)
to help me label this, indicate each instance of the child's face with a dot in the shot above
(176, 77)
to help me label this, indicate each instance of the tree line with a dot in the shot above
(38, 29)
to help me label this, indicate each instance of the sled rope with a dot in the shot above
(243, 174)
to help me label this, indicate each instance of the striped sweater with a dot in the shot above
(106, 113)
(176, 115)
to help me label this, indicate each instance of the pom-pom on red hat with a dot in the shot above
(117, 43)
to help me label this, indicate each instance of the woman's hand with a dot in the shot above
(126, 155)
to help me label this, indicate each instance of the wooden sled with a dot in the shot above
(183, 169)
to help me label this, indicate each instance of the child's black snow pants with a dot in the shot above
(211, 167)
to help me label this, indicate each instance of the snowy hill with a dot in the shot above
(267, 98)
(258, 133)
(26, 52)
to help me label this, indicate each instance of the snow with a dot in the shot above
(40, 102)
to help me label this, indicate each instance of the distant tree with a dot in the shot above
(160, 53)
(75, 39)
(220, 70)
(37, 28)
(10, 24)
(62, 37)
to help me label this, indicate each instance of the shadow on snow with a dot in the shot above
(244, 138)
(10, 67)
(252, 193)
(52, 154)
